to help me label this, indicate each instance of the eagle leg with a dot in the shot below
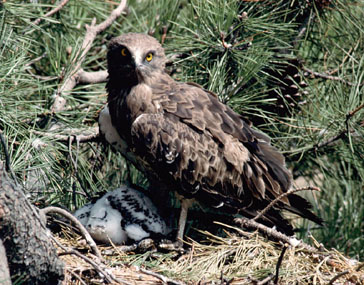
(185, 204)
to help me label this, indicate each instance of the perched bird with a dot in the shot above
(182, 135)
(122, 215)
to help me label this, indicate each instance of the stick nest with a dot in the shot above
(238, 258)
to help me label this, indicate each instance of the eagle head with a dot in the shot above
(134, 58)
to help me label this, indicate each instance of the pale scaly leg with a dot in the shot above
(185, 204)
(178, 244)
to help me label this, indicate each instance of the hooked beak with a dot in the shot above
(139, 72)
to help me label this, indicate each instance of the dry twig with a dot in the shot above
(271, 204)
(344, 273)
(342, 133)
(280, 259)
(82, 229)
(329, 77)
(76, 134)
(108, 276)
(77, 72)
(271, 232)
(51, 12)
(77, 277)
(161, 277)
(265, 280)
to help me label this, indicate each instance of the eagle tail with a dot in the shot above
(302, 207)
(276, 165)
(273, 219)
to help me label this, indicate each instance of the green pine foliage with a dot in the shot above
(248, 52)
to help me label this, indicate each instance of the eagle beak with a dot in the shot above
(139, 72)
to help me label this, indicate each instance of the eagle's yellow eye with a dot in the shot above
(123, 52)
(149, 57)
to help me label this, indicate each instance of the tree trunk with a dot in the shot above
(4, 267)
(30, 254)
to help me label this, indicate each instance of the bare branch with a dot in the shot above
(352, 113)
(280, 259)
(336, 277)
(85, 77)
(280, 197)
(51, 12)
(82, 229)
(343, 132)
(76, 276)
(329, 77)
(34, 60)
(108, 275)
(92, 135)
(271, 232)
(91, 32)
(265, 280)
(161, 277)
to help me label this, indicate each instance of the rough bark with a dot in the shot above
(4, 267)
(30, 253)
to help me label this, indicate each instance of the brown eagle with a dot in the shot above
(184, 137)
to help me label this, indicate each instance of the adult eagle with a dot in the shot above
(183, 136)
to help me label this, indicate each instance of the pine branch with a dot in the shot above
(342, 133)
(91, 32)
(51, 12)
(161, 277)
(80, 135)
(280, 197)
(82, 229)
(271, 232)
(329, 77)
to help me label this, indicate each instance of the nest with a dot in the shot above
(240, 257)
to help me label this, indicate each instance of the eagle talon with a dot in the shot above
(146, 244)
(169, 245)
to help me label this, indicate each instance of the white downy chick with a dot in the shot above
(121, 215)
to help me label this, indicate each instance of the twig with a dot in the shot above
(76, 276)
(330, 77)
(352, 113)
(297, 127)
(360, 266)
(7, 156)
(343, 132)
(49, 113)
(92, 136)
(93, 263)
(51, 12)
(164, 35)
(271, 204)
(248, 223)
(34, 60)
(161, 277)
(280, 259)
(85, 77)
(338, 276)
(265, 280)
(224, 281)
(303, 28)
(82, 229)
(91, 32)
(329, 141)
(344, 273)
(109, 276)
(43, 78)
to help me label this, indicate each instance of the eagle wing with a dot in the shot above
(205, 150)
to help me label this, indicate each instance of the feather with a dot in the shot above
(189, 141)
(122, 215)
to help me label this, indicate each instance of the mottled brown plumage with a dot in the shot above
(183, 136)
